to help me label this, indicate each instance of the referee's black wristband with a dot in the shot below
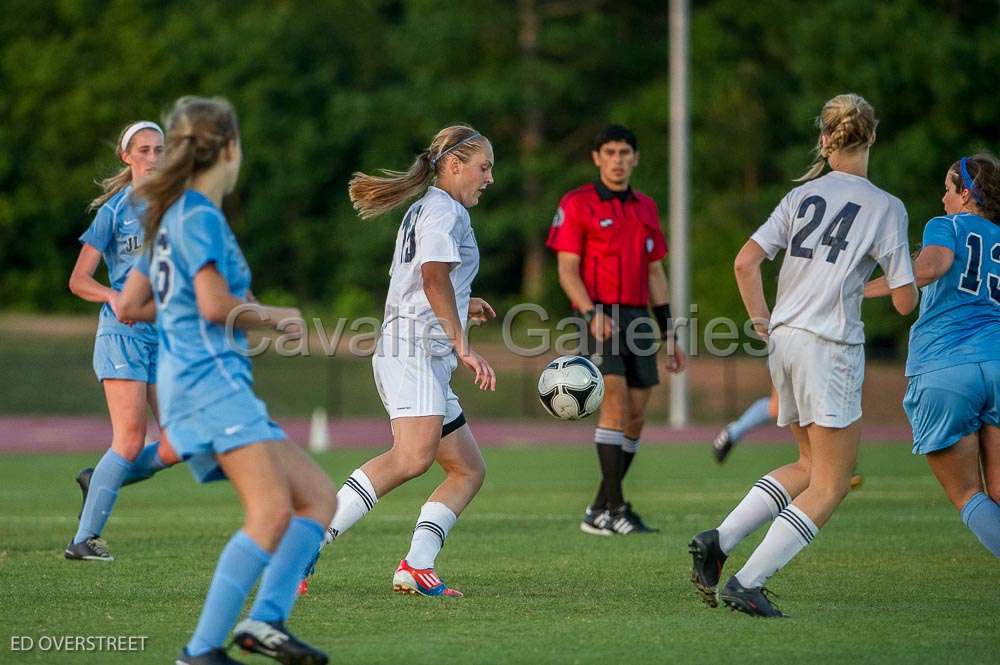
(664, 320)
(588, 316)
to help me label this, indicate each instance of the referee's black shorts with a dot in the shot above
(631, 350)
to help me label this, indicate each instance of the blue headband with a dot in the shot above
(474, 135)
(969, 183)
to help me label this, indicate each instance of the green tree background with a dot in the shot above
(327, 88)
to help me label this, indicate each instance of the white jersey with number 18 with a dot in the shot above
(435, 228)
(835, 229)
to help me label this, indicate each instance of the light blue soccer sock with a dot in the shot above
(104, 483)
(146, 464)
(281, 578)
(982, 515)
(239, 566)
(757, 415)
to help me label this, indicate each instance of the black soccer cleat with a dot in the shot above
(622, 521)
(641, 527)
(273, 640)
(754, 602)
(83, 480)
(722, 445)
(91, 549)
(213, 657)
(707, 559)
(596, 522)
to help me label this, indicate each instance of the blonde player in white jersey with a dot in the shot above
(422, 342)
(835, 230)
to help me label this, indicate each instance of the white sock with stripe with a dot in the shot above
(354, 500)
(791, 531)
(762, 504)
(433, 525)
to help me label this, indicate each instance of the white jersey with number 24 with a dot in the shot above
(835, 229)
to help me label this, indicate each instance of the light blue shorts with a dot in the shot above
(123, 357)
(234, 421)
(947, 404)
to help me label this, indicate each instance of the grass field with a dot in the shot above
(894, 577)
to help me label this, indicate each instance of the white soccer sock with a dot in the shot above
(762, 503)
(433, 525)
(791, 531)
(354, 500)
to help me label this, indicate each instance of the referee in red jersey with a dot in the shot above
(610, 248)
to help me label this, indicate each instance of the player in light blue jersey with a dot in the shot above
(200, 284)
(953, 396)
(124, 351)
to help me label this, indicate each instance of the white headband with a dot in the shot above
(134, 129)
(473, 136)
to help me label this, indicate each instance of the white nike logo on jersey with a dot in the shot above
(233, 430)
(129, 222)
(117, 366)
(605, 223)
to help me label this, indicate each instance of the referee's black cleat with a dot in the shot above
(91, 549)
(83, 480)
(272, 639)
(622, 521)
(722, 445)
(641, 527)
(707, 560)
(213, 657)
(754, 602)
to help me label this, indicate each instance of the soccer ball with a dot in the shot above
(571, 388)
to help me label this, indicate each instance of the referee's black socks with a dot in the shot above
(611, 456)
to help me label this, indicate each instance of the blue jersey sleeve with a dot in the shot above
(940, 232)
(204, 240)
(101, 231)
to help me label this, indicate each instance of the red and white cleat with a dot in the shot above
(303, 587)
(422, 581)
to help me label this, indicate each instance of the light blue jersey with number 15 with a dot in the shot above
(198, 363)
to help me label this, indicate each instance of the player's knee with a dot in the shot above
(270, 518)
(834, 491)
(476, 473)
(804, 464)
(416, 465)
(129, 445)
(993, 491)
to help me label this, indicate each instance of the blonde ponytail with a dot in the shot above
(848, 121)
(376, 195)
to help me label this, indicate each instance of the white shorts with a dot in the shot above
(818, 381)
(412, 382)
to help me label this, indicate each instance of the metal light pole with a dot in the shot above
(680, 291)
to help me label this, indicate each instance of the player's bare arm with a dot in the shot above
(216, 303)
(81, 281)
(751, 285)
(135, 302)
(441, 296)
(929, 266)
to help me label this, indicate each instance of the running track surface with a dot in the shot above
(51, 434)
